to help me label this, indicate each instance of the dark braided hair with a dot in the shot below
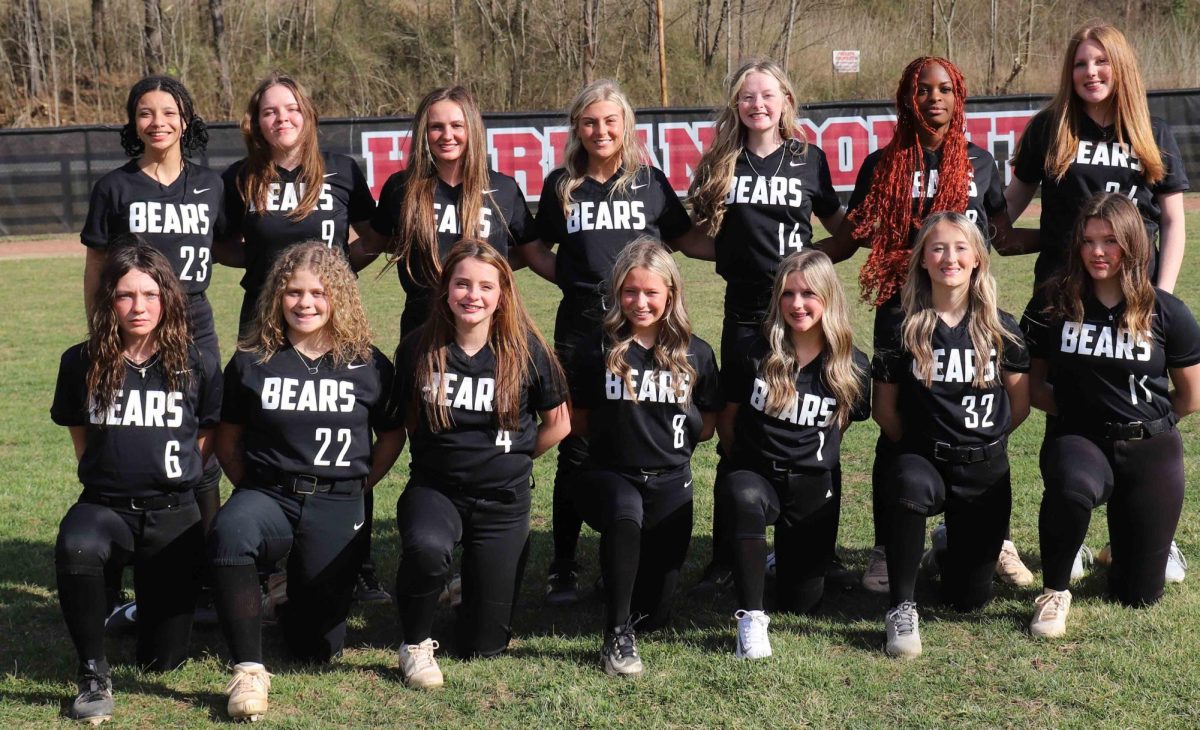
(195, 134)
(886, 215)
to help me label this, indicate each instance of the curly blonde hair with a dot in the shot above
(348, 329)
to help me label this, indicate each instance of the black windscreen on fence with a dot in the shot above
(47, 174)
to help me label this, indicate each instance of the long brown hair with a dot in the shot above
(779, 368)
(417, 229)
(1066, 292)
(348, 329)
(983, 315)
(106, 373)
(886, 216)
(259, 171)
(714, 172)
(575, 157)
(675, 329)
(1131, 114)
(512, 337)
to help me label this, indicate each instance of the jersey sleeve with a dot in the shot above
(100, 207)
(547, 391)
(673, 221)
(361, 206)
(707, 394)
(825, 201)
(586, 373)
(737, 371)
(70, 392)
(387, 213)
(1036, 326)
(1029, 163)
(236, 397)
(551, 225)
(400, 394)
(862, 183)
(210, 390)
(1175, 179)
(861, 410)
(1182, 334)
(888, 362)
(234, 207)
(1016, 353)
(993, 197)
(382, 417)
(521, 226)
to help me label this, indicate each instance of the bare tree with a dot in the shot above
(946, 10)
(31, 36)
(154, 41)
(216, 11)
(100, 34)
(591, 38)
(1024, 48)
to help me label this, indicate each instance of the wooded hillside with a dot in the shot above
(72, 61)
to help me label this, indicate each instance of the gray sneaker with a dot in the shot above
(903, 634)
(1176, 565)
(620, 654)
(94, 703)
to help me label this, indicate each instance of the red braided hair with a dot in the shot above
(886, 215)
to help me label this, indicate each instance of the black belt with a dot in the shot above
(168, 500)
(951, 454)
(305, 484)
(1115, 431)
(771, 467)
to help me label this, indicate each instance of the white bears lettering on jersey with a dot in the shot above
(807, 410)
(286, 196)
(956, 366)
(182, 218)
(446, 219)
(1108, 154)
(157, 410)
(653, 386)
(461, 391)
(606, 215)
(317, 396)
(1099, 341)
(758, 190)
(929, 191)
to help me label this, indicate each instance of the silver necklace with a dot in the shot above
(142, 367)
(312, 369)
(746, 154)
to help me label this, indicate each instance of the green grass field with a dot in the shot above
(1116, 668)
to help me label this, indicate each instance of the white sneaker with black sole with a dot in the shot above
(752, 639)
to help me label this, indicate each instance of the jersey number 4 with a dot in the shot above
(504, 438)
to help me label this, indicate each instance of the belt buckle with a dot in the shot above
(134, 506)
(938, 447)
(297, 479)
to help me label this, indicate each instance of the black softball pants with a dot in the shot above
(578, 316)
(645, 525)
(166, 548)
(494, 535)
(317, 533)
(804, 506)
(977, 501)
(1142, 481)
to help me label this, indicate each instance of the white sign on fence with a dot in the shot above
(845, 62)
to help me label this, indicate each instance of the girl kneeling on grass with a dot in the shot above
(791, 392)
(472, 384)
(141, 402)
(304, 432)
(645, 392)
(1107, 347)
(950, 385)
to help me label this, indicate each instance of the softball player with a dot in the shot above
(446, 193)
(950, 385)
(647, 392)
(472, 384)
(928, 166)
(1117, 361)
(791, 392)
(754, 193)
(141, 402)
(304, 432)
(603, 198)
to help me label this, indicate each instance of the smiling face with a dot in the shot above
(306, 308)
(446, 131)
(799, 305)
(280, 118)
(935, 96)
(760, 102)
(948, 256)
(644, 299)
(1092, 74)
(474, 292)
(600, 129)
(1101, 251)
(158, 121)
(137, 304)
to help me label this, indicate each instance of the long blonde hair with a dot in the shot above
(260, 172)
(983, 315)
(416, 231)
(1131, 114)
(575, 157)
(675, 329)
(1067, 290)
(779, 368)
(512, 337)
(348, 329)
(710, 184)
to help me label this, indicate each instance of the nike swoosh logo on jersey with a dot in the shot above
(796, 164)
(829, 494)
(358, 525)
(330, 174)
(638, 187)
(687, 484)
(356, 367)
(493, 190)
(201, 190)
